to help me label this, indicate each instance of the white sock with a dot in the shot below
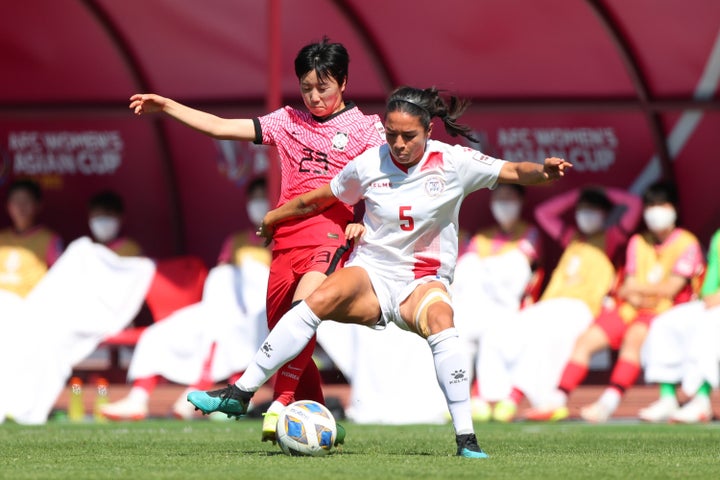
(285, 342)
(610, 399)
(453, 374)
(276, 407)
(138, 395)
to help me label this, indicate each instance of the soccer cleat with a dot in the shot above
(125, 409)
(660, 410)
(468, 447)
(269, 427)
(547, 414)
(340, 435)
(229, 400)
(696, 410)
(504, 411)
(481, 411)
(596, 412)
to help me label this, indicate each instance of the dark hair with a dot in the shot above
(429, 103)
(256, 184)
(325, 58)
(28, 185)
(595, 197)
(107, 200)
(661, 192)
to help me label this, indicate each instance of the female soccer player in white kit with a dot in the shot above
(413, 188)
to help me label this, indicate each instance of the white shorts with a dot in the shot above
(391, 292)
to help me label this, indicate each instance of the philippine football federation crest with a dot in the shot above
(434, 185)
(340, 141)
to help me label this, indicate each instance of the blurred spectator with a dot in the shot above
(524, 356)
(661, 264)
(211, 340)
(27, 249)
(105, 220)
(492, 276)
(683, 347)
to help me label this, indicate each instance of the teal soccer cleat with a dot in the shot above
(468, 447)
(229, 400)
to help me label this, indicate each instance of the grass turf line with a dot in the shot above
(160, 449)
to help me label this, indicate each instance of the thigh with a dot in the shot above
(346, 296)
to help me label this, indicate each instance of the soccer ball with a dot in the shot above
(306, 428)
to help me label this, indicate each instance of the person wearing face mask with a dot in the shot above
(492, 277)
(27, 249)
(105, 218)
(203, 343)
(662, 263)
(313, 144)
(525, 356)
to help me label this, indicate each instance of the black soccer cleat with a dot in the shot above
(468, 447)
(229, 400)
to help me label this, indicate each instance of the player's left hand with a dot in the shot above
(354, 231)
(266, 232)
(555, 167)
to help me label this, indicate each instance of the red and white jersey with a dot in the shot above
(312, 151)
(411, 215)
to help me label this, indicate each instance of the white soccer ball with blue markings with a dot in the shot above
(306, 428)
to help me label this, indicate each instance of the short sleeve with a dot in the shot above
(475, 169)
(346, 185)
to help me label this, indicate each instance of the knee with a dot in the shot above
(440, 317)
(323, 300)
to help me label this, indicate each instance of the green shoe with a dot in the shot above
(340, 435)
(229, 400)
(269, 427)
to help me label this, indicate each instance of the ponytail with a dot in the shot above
(428, 103)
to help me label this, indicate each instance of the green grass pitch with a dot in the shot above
(170, 449)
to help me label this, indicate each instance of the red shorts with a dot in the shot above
(614, 326)
(287, 268)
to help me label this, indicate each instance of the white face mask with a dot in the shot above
(505, 212)
(589, 221)
(659, 219)
(104, 228)
(256, 210)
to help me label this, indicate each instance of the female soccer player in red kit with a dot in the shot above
(313, 146)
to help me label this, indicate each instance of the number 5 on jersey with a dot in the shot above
(406, 221)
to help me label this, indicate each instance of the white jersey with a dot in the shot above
(411, 215)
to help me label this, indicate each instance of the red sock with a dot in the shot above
(572, 376)
(148, 383)
(288, 378)
(516, 395)
(624, 374)
(310, 386)
(475, 389)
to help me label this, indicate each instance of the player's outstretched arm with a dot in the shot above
(207, 123)
(305, 205)
(529, 173)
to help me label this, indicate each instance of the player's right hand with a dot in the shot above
(146, 103)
